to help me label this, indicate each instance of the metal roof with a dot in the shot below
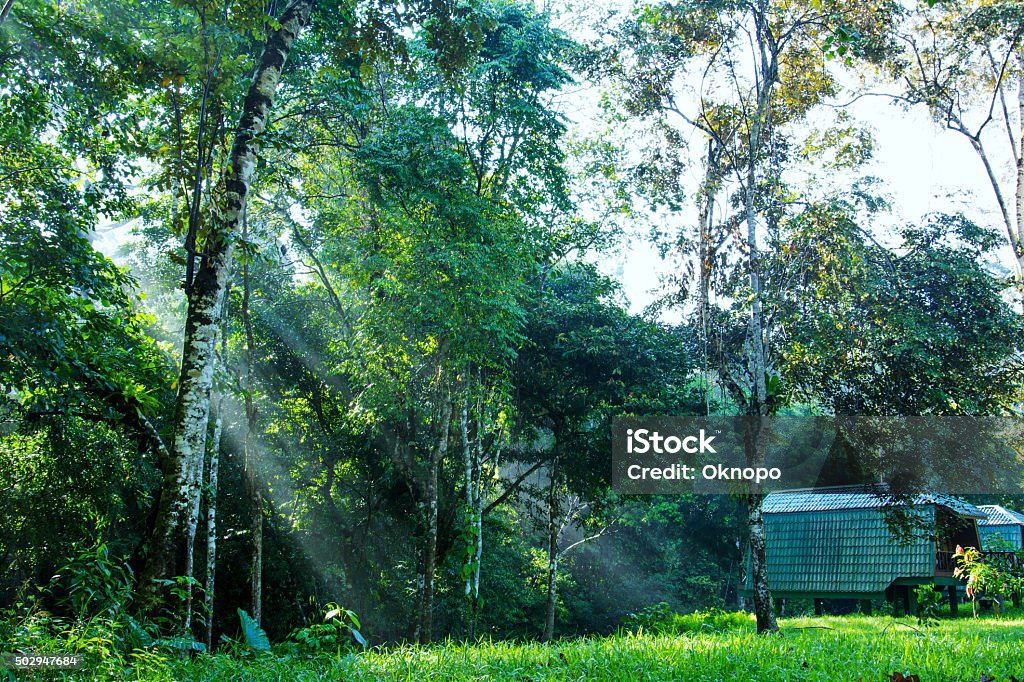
(856, 497)
(1000, 516)
(846, 551)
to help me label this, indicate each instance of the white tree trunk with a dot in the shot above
(554, 530)
(478, 519)
(210, 493)
(170, 540)
(253, 489)
(467, 456)
(473, 464)
(757, 363)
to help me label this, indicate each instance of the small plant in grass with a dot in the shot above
(929, 605)
(337, 634)
(182, 589)
(91, 592)
(982, 578)
(29, 628)
(1011, 562)
(649, 618)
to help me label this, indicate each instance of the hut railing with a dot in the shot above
(944, 563)
(1011, 562)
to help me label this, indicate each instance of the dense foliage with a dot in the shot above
(307, 338)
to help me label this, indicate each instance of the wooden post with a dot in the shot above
(819, 607)
(905, 590)
(865, 607)
(953, 601)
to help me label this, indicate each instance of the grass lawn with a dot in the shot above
(830, 648)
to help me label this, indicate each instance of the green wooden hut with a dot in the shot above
(1002, 529)
(834, 543)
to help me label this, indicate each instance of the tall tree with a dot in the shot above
(81, 379)
(755, 68)
(168, 550)
(253, 486)
(444, 286)
(439, 234)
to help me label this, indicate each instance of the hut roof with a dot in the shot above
(857, 497)
(1000, 516)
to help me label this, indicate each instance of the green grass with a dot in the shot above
(834, 648)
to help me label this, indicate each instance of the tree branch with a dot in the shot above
(513, 487)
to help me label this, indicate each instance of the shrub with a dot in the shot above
(660, 619)
(981, 578)
(93, 584)
(337, 634)
(929, 605)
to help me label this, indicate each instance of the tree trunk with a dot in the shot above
(467, 455)
(1011, 233)
(195, 493)
(755, 443)
(757, 364)
(169, 542)
(250, 473)
(756, 361)
(210, 494)
(473, 462)
(704, 256)
(429, 563)
(255, 509)
(741, 582)
(478, 519)
(1017, 237)
(764, 605)
(553, 532)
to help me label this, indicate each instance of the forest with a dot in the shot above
(315, 316)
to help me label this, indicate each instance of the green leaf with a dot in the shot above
(359, 637)
(255, 636)
(139, 632)
(181, 644)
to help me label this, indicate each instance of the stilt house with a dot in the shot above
(835, 543)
